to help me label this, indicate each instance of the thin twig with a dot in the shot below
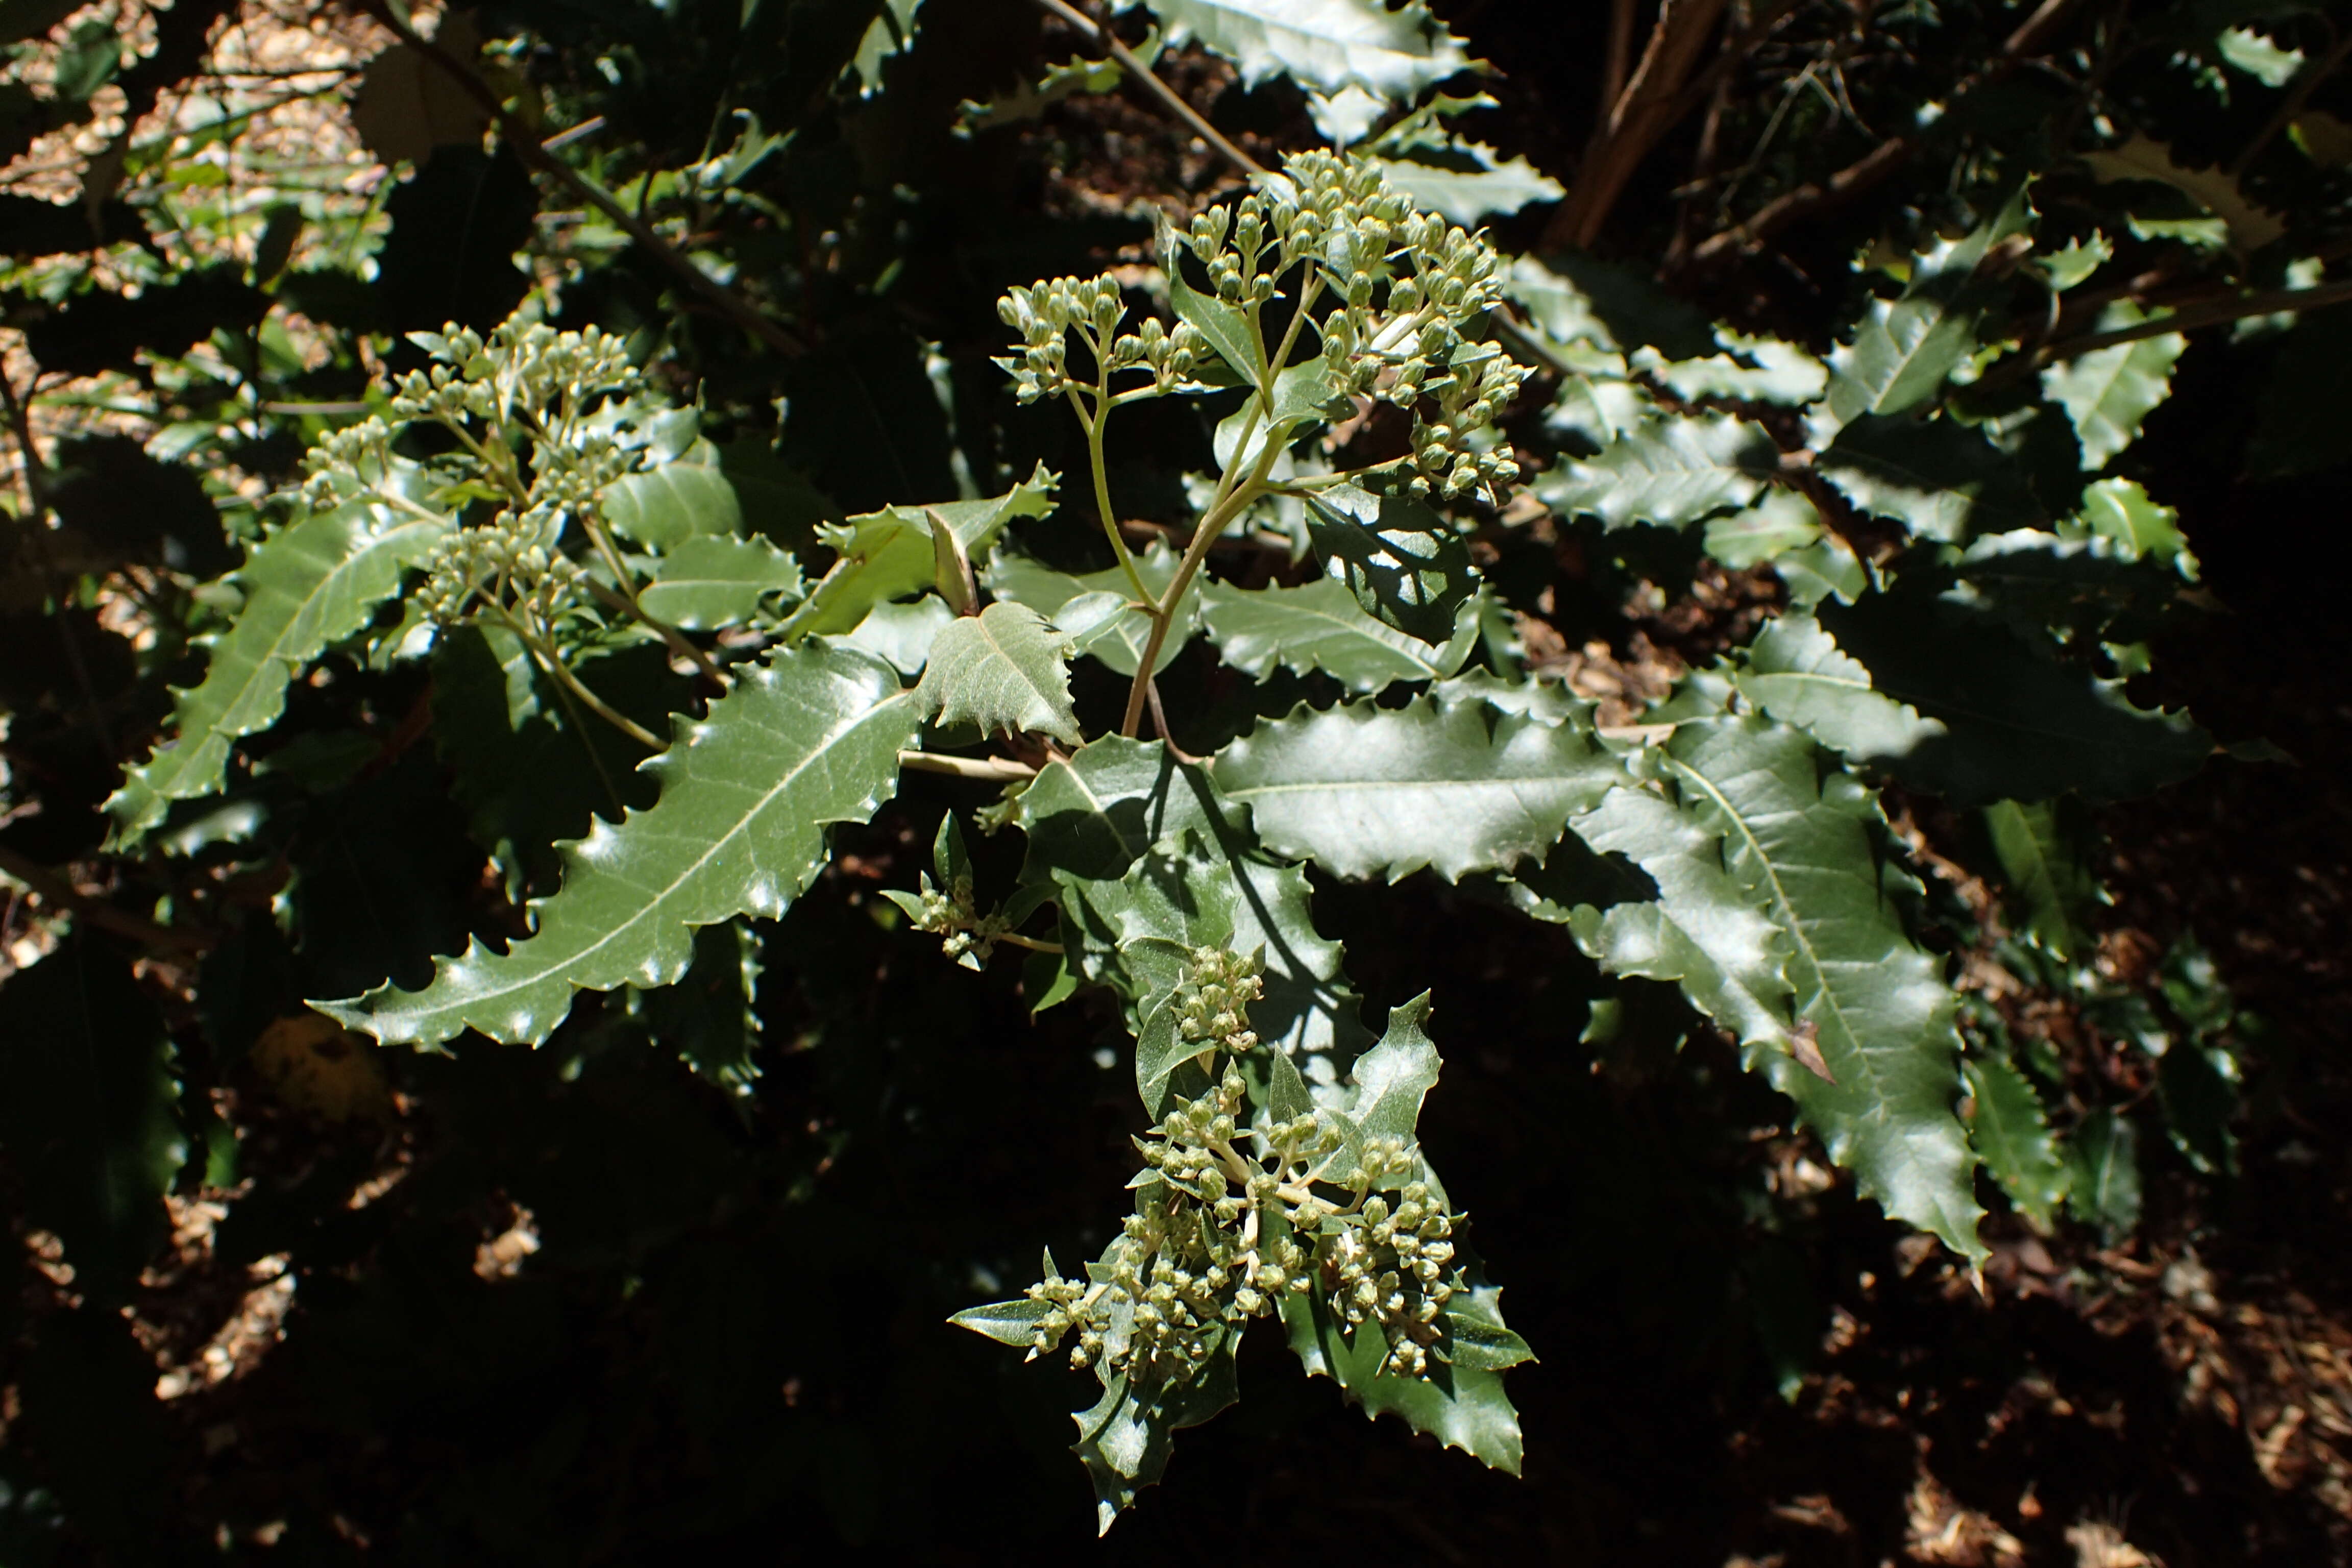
(1160, 722)
(1618, 61)
(1814, 197)
(2187, 319)
(2298, 93)
(527, 147)
(992, 770)
(51, 888)
(1135, 67)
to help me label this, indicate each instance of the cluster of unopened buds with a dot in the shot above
(1212, 1002)
(510, 563)
(529, 368)
(952, 914)
(348, 463)
(1411, 290)
(1395, 1267)
(1046, 314)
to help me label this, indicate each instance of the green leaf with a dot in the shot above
(1669, 470)
(2018, 724)
(1703, 929)
(2107, 392)
(1901, 351)
(1125, 1440)
(2199, 1086)
(1393, 1078)
(1757, 370)
(1472, 184)
(1322, 45)
(1007, 1323)
(1794, 672)
(1941, 479)
(809, 740)
(525, 773)
(888, 555)
(892, 32)
(900, 634)
(87, 1098)
(2102, 1172)
(663, 508)
(306, 587)
(2121, 511)
(1005, 668)
(1320, 626)
(1782, 522)
(1116, 632)
(1408, 566)
(708, 1016)
(714, 581)
(2011, 1131)
(2141, 157)
(2050, 885)
(1800, 841)
(1447, 782)
(1093, 814)
(1461, 1405)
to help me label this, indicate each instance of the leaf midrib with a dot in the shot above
(578, 956)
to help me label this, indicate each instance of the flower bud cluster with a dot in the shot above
(1047, 313)
(952, 913)
(1212, 1002)
(1394, 1268)
(545, 375)
(1411, 293)
(508, 562)
(347, 464)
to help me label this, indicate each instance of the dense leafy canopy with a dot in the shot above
(588, 609)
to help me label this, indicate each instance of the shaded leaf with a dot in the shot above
(87, 1099)
(306, 587)
(2050, 887)
(2018, 723)
(1696, 925)
(1670, 470)
(2107, 392)
(2011, 1131)
(1941, 479)
(1092, 815)
(2102, 1172)
(1407, 565)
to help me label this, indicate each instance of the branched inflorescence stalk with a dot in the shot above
(1231, 1215)
(1397, 301)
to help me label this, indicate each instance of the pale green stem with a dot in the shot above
(1094, 429)
(1228, 503)
(553, 662)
